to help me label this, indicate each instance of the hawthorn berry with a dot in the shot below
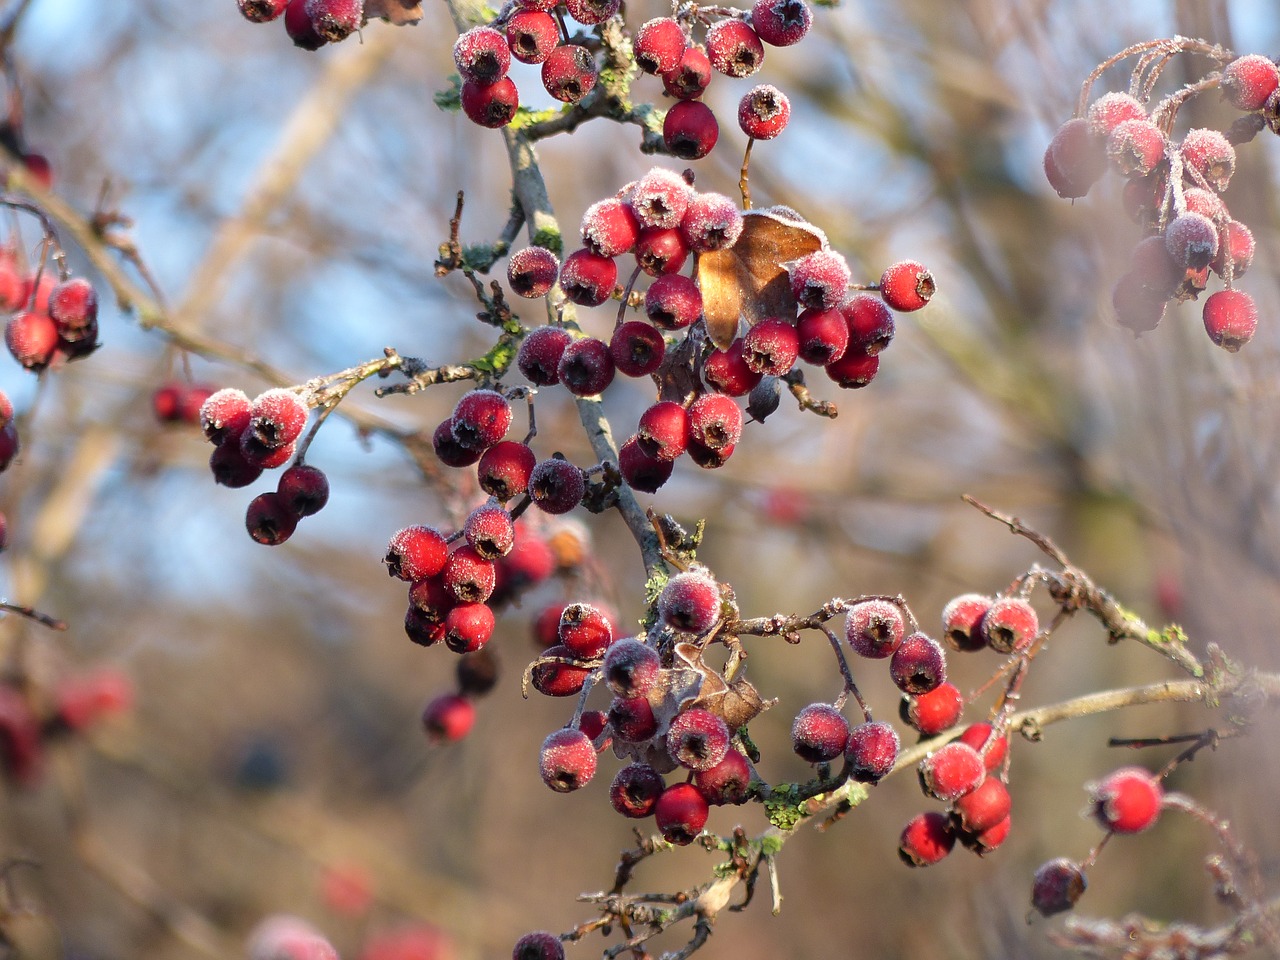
(477, 673)
(416, 553)
(987, 840)
(8, 445)
(1126, 801)
(926, 839)
(711, 221)
(530, 562)
(631, 667)
(690, 76)
(961, 620)
(1112, 109)
(663, 430)
(586, 367)
(734, 48)
(304, 489)
(298, 25)
(1235, 250)
(230, 468)
(468, 575)
(490, 531)
(269, 519)
(1075, 159)
(556, 486)
(276, 418)
(681, 813)
(449, 451)
(261, 11)
(532, 35)
(480, 419)
(906, 285)
(468, 627)
(871, 751)
(504, 468)
(935, 711)
(707, 457)
(587, 278)
(335, 20)
(690, 602)
(1009, 625)
(823, 336)
(539, 355)
(635, 790)
(658, 45)
(984, 807)
(553, 679)
(490, 105)
(538, 945)
(874, 628)
(448, 717)
(641, 471)
(660, 199)
(690, 130)
(73, 307)
(32, 338)
(952, 771)
(819, 733)
(431, 598)
(918, 665)
(591, 12)
(482, 56)
(256, 452)
(610, 227)
(855, 369)
(284, 937)
(637, 349)
(870, 323)
(225, 414)
(715, 421)
(1057, 885)
(661, 250)
(1136, 307)
(1248, 81)
(1192, 240)
(567, 761)
(992, 748)
(781, 23)
(584, 631)
(763, 113)
(727, 372)
(532, 271)
(771, 347)
(1209, 154)
(632, 719)
(697, 739)
(728, 782)
(1230, 319)
(569, 72)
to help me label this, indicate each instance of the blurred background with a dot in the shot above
(274, 759)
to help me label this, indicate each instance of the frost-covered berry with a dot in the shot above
(299, 28)
(641, 471)
(823, 336)
(482, 56)
(1112, 109)
(1248, 81)
(661, 250)
(1235, 250)
(610, 227)
(539, 945)
(781, 23)
(726, 371)
(659, 44)
(681, 813)
(468, 576)
(984, 807)
(926, 839)
(588, 279)
(225, 414)
(660, 198)
(820, 280)
(1009, 625)
(532, 271)
(556, 486)
(637, 349)
(715, 421)
(586, 367)
(532, 35)
(490, 531)
(663, 431)
(335, 20)
(1057, 885)
(935, 711)
(567, 761)
(304, 489)
(539, 355)
(261, 11)
(1134, 147)
(907, 285)
(1075, 159)
(553, 679)
(631, 667)
(697, 739)
(874, 628)
(980, 737)
(918, 665)
(952, 771)
(569, 72)
(690, 76)
(276, 418)
(771, 347)
(673, 301)
(468, 627)
(632, 719)
(480, 419)
(449, 451)
(416, 552)
(1230, 319)
(870, 324)
(73, 307)
(1126, 801)
(690, 602)
(871, 751)
(711, 221)
(690, 130)
(961, 620)
(590, 12)
(763, 113)
(1192, 240)
(728, 782)
(584, 630)
(734, 48)
(1210, 154)
(819, 733)
(635, 790)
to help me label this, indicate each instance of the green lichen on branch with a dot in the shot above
(550, 238)
(783, 806)
(503, 353)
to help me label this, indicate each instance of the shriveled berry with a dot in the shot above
(554, 679)
(1057, 885)
(992, 748)
(1009, 625)
(952, 771)
(906, 286)
(635, 790)
(1210, 154)
(449, 451)
(819, 733)
(961, 620)
(715, 421)
(610, 227)
(690, 602)
(918, 665)
(726, 371)
(1230, 319)
(304, 489)
(224, 414)
(1134, 147)
(712, 221)
(1126, 801)
(416, 552)
(1112, 109)
(532, 271)
(335, 20)
(734, 48)
(468, 627)
(663, 431)
(641, 471)
(728, 782)
(690, 130)
(504, 469)
(1075, 159)
(269, 519)
(871, 751)
(586, 367)
(660, 198)
(276, 417)
(771, 347)
(468, 576)
(567, 761)
(781, 23)
(661, 250)
(490, 530)
(539, 945)
(697, 739)
(632, 719)
(637, 349)
(588, 279)
(927, 839)
(448, 717)
(631, 667)
(584, 630)
(539, 355)
(690, 76)
(983, 808)
(763, 113)
(874, 628)
(935, 711)
(556, 486)
(569, 72)
(681, 813)
(532, 35)
(1248, 81)
(870, 324)
(482, 56)
(658, 45)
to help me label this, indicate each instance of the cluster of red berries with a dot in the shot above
(178, 401)
(1173, 190)
(28, 724)
(53, 321)
(310, 24)
(250, 436)
(662, 221)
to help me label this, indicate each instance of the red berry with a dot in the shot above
(73, 305)
(1009, 625)
(480, 419)
(9, 445)
(586, 367)
(874, 628)
(584, 631)
(715, 421)
(539, 355)
(631, 667)
(983, 808)
(556, 486)
(1152, 263)
(1058, 884)
(823, 336)
(926, 839)
(490, 105)
(532, 271)
(468, 576)
(225, 414)
(707, 457)
(819, 733)
(726, 371)
(658, 45)
(763, 113)
(230, 468)
(449, 451)
(681, 813)
(32, 338)
(871, 751)
(567, 761)
(661, 250)
(431, 598)
(532, 35)
(993, 749)
(468, 627)
(1210, 154)
(989, 839)
(1136, 307)
(554, 679)
(1248, 81)
(1074, 159)
(336, 20)
(588, 279)
(1134, 147)
(530, 562)
(690, 602)
(539, 945)
(690, 130)
(906, 286)
(771, 348)
(569, 72)
(298, 25)
(820, 280)
(610, 227)
(635, 790)
(261, 11)
(276, 418)
(304, 489)
(637, 349)
(482, 55)
(448, 717)
(164, 403)
(690, 76)
(918, 665)
(13, 281)
(416, 553)
(697, 739)
(711, 221)
(504, 469)
(1235, 246)
(641, 471)
(660, 198)
(961, 619)
(673, 301)
(870, 324)
(728, 782)
(952, 771)
(269, 519)
(1230, 319)
(632, 719)
(259, 454)
(1112, 109)
(663, 431)
(283, 937)
(781, 23)
(490, 531)
(935, 711)
(734, 48)
(1126, 801)
(590, 12)
(424, 629)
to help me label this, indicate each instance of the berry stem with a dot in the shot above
(744, 184)
(53, 623)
